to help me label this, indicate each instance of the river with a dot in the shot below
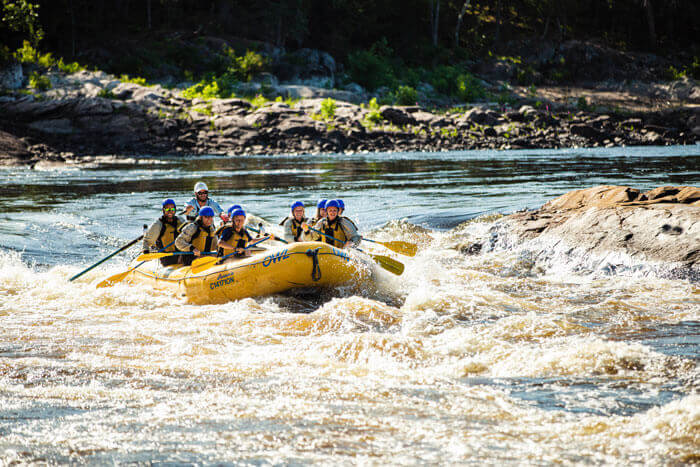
(461, 360)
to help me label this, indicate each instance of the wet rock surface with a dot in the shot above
(613, 229)
(94, 113)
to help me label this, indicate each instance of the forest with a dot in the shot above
(418, 31)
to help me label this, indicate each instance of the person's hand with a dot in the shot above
(240, 250)
(272, 237)
(188, 208)
(224, 216)
(305, 227)
(197, 253)
(347, 245)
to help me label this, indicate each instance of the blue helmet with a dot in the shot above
(333, 204)
(233, 207)
(237, 212)
(321, 204)
(206, 211)
(168, 201)
(341, 203)
(297, 204)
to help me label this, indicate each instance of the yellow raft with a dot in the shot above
(297, 265)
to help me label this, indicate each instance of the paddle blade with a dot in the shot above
(150, 256)
(404, 248)
(390, 264)
(202, 264)
(110, 281)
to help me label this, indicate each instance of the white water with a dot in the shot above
(461, 360)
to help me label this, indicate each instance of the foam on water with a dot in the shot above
(462, 359)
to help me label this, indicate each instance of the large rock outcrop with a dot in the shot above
(614, 229)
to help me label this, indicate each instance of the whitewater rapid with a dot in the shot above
(461, 360)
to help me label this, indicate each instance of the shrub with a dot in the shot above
(469, 88)
(374, 117)
(373, 68)
(405, 95)
(249, 65)
(39, 82)
(107, 94)
(135, 80)
(69, 68)
(328, 109)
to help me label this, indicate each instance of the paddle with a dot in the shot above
(276, 238)
(404, 248)
(151, 256)
(107, 257)
(119, 277)
(202, 264)
(390, 264)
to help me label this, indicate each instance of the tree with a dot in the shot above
(22, 17)
(434, 20)
(460, 17)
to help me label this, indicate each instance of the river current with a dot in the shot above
(461, 360)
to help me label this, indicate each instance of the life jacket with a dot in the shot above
(203, 237)
(334, 229)
(297, 231)
(238, 239)
(168, 232)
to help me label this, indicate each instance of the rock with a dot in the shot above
(490, 132)
(481, 116)
(11, 76)
(58, 126)
(585, 131)
(615, 228)
(396, 116)
(95, 106)
(12, 149)
(598, 196)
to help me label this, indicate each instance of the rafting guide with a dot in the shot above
(201, 199)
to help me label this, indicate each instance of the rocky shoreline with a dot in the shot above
(610, 230)
(92, 113)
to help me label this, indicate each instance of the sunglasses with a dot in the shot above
(202, 192)
(169, 209)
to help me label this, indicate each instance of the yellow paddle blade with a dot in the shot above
(150, 256)
(202, 264)
(389, 264)
(110, 281)
(404, 248)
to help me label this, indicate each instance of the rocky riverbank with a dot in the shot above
(608, 229)
(90, 113)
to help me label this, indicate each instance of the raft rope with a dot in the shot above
(316, 271)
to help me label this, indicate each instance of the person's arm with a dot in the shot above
(183, 242)
(151, 237)
(309, 235)
(351, 233)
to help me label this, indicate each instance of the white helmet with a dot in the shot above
(199, 186)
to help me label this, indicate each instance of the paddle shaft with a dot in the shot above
(276, 237)
(331, 237)
(106, 258)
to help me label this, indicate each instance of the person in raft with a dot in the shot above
(320, 211)
(201, 199)
(341, 228)
(198, 237)
(161, 235)
(293, 224)
(341, 208)
(234, 236)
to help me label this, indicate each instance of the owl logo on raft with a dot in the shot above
(340, 253)
(274, 258)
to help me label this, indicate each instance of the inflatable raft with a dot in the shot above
(275, 270)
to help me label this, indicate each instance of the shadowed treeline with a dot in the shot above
(419, 31)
